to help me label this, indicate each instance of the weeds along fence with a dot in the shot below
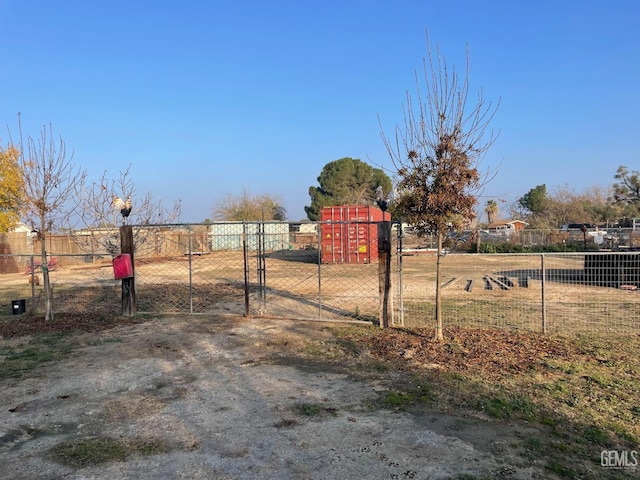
(331, 272)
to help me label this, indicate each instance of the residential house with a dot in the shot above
(507, 227)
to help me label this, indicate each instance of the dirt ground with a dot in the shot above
(232, 398)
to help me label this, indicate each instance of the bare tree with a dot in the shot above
(436, 154)
(249, 207)
(49, 179)
(108, 203)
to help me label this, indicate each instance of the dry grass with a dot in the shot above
(582, 392)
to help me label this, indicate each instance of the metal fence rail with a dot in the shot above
(261, 269)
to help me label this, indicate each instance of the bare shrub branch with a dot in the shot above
(99, 214)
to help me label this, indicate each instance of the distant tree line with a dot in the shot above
(544, 209)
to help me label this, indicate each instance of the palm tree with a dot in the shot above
(491, 209)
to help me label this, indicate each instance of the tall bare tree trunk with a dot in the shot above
(48, 301)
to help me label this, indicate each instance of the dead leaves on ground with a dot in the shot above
(491, 353)
(33, 325)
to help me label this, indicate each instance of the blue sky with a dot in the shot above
(204, 98)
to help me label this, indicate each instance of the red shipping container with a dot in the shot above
(349, 233)
(122, 266)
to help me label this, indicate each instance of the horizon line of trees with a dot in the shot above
(544, 208)
(346, 181)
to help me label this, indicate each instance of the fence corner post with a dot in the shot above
(384, 272)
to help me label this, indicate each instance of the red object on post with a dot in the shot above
(122, 266)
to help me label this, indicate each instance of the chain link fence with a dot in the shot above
(550, 293)
(311, 271)
(80, 283)
(257, 269)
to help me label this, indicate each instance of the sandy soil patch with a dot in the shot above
(232, 398)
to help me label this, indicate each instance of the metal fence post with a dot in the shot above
(318, 229)
(33, 287)
(245, 255)
(400, 233)
(262, 273)
(543, 275)
(190, 269)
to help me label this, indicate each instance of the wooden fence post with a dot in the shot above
(384, 272)
(128, 284)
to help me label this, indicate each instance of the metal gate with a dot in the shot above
(255, 269)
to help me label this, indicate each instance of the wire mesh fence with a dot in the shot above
(79, 283)
(554, 293)
(267, 269)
